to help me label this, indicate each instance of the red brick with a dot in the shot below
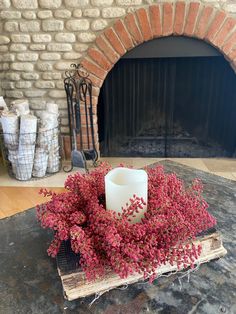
(133, 29)
(99, 58)
(215, 25)
(167, 19)
(229, 43)
(93, 68)
(94, 100)
(224, 31)
(95, 80)
(232, 54)
(144, 24)
(110, 53)
(179, 18)
(191, 18)
(155, 20)
(83, 119)
(123, 34)
(115, 41)
(95, 91)
(204, 18)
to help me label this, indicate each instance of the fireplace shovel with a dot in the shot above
(77, 157)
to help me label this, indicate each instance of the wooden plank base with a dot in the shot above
(75, 285)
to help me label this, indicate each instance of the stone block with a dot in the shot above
(22, 66)
(41, 38)
(57, 93)
(46, 14)
(101, 3)
(14, 94)
(62, 65)
(50, 56)
(30, 26)
(12, 76)
(29, 15)
(3, 48)
(25, 4)
(44, 66)
(60, 85)
(7, 57)
(99, 24)
(80, 47)
(5, 4)
(4, 40)
(45, 84)
(34, 93)
(86, 37)
(91, 12)
(23, 84)
(77, 25)
(59, 47)
(51, 76)
(62, 14)
(50, 4)
(27, 56)
(71, 55)
(77, 13)
(65, 37)
(112, 12)
(52, 25)
(11, 27)
(8, 15)
(129, 2)
(18, 47)
(37, 47)
(30, 76)
(4, 67)
(230, 7)
(8, 85)
(76, 3)
(20, 38)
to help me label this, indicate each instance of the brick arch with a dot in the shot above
(192, 19)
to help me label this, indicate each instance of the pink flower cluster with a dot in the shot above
(104, 241)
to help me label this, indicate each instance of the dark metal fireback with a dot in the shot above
(168, 107)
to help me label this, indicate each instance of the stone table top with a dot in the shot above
(29, 282)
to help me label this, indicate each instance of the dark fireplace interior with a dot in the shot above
(172, 97)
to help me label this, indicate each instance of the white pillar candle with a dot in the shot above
(121, 184)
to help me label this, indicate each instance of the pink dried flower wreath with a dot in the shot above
(175, 215)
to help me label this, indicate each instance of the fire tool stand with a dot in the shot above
(78, 89)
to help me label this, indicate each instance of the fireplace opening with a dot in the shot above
(171, 101)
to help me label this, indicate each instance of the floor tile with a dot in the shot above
(220, 164)
(227, 175)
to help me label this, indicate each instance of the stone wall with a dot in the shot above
(41, 38)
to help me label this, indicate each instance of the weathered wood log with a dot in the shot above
(76, 286)
(50, 122)
(52, 108)
(40, 162)
(46, 145)
(20, 107)
(10, 127)
(27, 140)
(3, 105)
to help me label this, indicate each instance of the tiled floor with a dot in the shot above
(16, 196)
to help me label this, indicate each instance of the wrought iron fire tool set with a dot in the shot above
(78, 89)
